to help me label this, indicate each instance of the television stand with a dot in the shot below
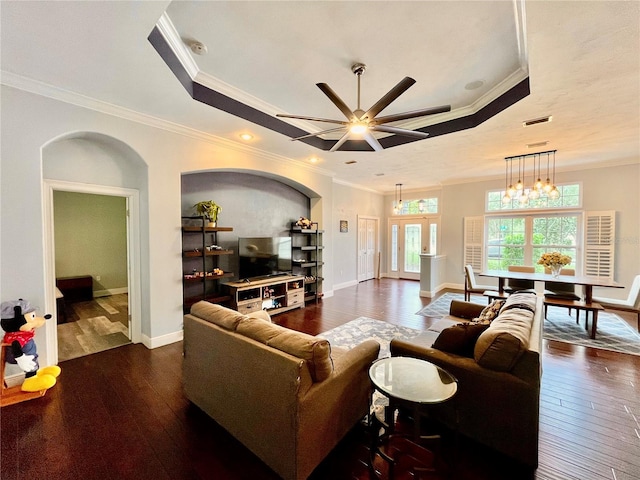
(275, 293)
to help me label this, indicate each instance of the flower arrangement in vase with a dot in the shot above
(210, 210)
(554, 261)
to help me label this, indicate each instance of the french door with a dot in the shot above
(409, 238)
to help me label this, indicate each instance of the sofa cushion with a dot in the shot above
(261, 314)
(217, 314)
(460, 339)
(501, 345)
(315, 351)
(490, 312)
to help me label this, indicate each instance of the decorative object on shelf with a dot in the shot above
(344, 226)
(304, 223)
(210, 210)
(397, 204)
(538, 187)
(554, 261)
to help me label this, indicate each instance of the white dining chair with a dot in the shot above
(631, 304)
(470, 285)
(565, 291)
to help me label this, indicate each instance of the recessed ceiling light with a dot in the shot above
(474, 85)
(350, 162)
(314, 160)
(246, 136)
(536, 121)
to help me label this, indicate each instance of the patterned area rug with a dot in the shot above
(613, 332)
(356, 331)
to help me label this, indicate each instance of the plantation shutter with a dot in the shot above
(599, 243)
(473, 237)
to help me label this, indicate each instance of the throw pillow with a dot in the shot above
(490, 312)
(460, 339)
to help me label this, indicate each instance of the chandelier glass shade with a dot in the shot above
(520, 191)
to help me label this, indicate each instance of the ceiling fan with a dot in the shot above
(361, 123)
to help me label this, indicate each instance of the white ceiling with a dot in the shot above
(583, 62)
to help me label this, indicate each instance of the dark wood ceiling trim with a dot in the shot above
(227, 104)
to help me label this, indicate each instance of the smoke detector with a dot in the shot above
(198, 48)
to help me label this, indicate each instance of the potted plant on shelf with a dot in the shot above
(210, 210)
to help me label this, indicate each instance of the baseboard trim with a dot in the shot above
(340, 286)
(162, 340)
(110, 291)
(440, 288)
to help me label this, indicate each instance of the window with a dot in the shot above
(569, 197)
(416, 207)
(521, 240)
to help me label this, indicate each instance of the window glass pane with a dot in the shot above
(555, 234)
(569, 197)
(433, 238)
(412, 246)
(394, 248)
(505, 242)
(415, 207)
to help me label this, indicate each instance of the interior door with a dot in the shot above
(367, 247)
(409, 238)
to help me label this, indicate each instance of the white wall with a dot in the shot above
(29, 122)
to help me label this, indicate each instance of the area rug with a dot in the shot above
(356, 331)
(613, 332)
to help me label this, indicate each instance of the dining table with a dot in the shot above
(587, 282)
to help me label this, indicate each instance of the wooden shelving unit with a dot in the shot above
(200, 263)
(306, 245)
(275, 295)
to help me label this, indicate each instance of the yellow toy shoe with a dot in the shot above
(38, 383)
(53, 370)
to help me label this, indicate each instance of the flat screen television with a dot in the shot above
(264, 256)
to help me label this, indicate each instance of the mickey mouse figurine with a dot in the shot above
(19, 321)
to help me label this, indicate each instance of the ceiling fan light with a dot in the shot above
(358, 128)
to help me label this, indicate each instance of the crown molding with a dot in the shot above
(66, 96)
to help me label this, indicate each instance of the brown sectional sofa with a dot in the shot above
(498, 397)
(285, 395)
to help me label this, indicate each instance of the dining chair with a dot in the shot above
(516, 285)
(631, 304)
(470, 285)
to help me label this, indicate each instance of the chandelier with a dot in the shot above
(519, 191)
(397, 204)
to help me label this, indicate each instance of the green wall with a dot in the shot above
(91, 238)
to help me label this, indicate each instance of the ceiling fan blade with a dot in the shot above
(413, 114)
(391, 95)
(313, 119)
(337, 101)
(319, 133)
(399, 131)
(371, 140)
(339, 143)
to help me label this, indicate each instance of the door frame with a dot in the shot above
(428, 220)
(132, 197)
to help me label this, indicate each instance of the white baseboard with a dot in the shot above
(110, 291)
(439, 288)
(162, 340)
(340, 286)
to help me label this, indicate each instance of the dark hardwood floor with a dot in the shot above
(121, 414)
